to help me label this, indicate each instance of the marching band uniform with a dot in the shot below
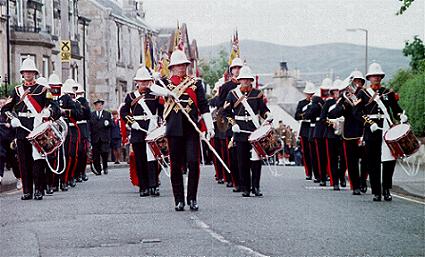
(141, 111)
(100, 133)
(242, 120)
(183, 139)
(336, 162)
(31, 105)
(230, 144)
(219, 143)
(318, 134)
(304, 134)
(84, 143)
(373, 115)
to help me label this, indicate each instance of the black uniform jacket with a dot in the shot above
(255, 100)
(132, 108)
(313, 115)
(15, 103)
(300, 115)
(193, 101)
(86, 114)
(367, 106)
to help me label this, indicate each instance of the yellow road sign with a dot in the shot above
(65, 47)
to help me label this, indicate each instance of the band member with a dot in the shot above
(373, 108)
(313, 114)
(32, 106)
(329, 115)
(246, 104)
(224, 90)
(304, 134)
(84, 143)
(142, 111)
(183, 139)
(100, 132)
(352, 128)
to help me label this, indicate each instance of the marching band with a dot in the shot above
(341, 123)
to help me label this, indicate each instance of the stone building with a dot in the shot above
(37, 28)
(116, 37)
(3, 42)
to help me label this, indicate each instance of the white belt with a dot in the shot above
(144, 117)
(318, 118)
(81, 122)
(312, 125)
(243, 118)
(306, 121)
(376, 116)
(26, 114)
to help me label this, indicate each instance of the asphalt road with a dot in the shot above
(106, 217)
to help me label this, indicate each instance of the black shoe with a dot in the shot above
(105, 171)
(117, 162)
(316, 180)
(72, 182)
(322, 183)
(308, 178)
(387, 195)
(38, 195)
(377, 198)
(363, 189)
(336, 188)
(236, 190)
(220, 181)
(144, 193)
(84, 177)
(64, 187)
(179, 206)
(246, 194)
(49, 190)
(26, 197)
(79, 179)
(343, 183)
(154, 191)
(229, 184)
(257, 192)
(193, 205)
(356, 191)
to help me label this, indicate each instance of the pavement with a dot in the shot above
(106, 217)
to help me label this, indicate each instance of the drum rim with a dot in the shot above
(409, 129)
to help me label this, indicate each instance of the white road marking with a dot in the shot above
(408, 199)
(327, 188)
(223, 240)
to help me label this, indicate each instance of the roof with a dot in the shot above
(118, 12)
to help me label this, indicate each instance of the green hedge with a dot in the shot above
(412, 100)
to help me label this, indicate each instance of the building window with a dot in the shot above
(119, 32)
(74, 71)
(19, 13)
(45, 67)
(71, 19)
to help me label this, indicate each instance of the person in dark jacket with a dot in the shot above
(116, 137)
(100, 131)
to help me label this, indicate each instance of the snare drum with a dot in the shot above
(158, 143)
(265, 141)
(401, 141)
(46, 138)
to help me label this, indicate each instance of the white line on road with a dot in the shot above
(408, 199)
(223, 240)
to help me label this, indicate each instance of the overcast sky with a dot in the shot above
(291, 22)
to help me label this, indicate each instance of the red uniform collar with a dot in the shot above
(29, 83)
(176, 80)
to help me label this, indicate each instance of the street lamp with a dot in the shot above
(366, 32)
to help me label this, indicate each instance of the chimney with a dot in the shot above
(283, 66)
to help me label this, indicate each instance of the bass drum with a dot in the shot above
(401, 141)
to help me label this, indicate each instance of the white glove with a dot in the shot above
(269, 117)
(159, 91)
(236, 128)
(209, 124)
(374, 127)
(15, 122)
(45, 113)
(136, 126)
(106, 123)
(403, 118)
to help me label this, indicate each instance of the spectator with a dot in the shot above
(116, 137)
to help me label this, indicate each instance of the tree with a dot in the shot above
(405, 5)
(214, 69)
(416, 50)
(412, 100)
(399, 79)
